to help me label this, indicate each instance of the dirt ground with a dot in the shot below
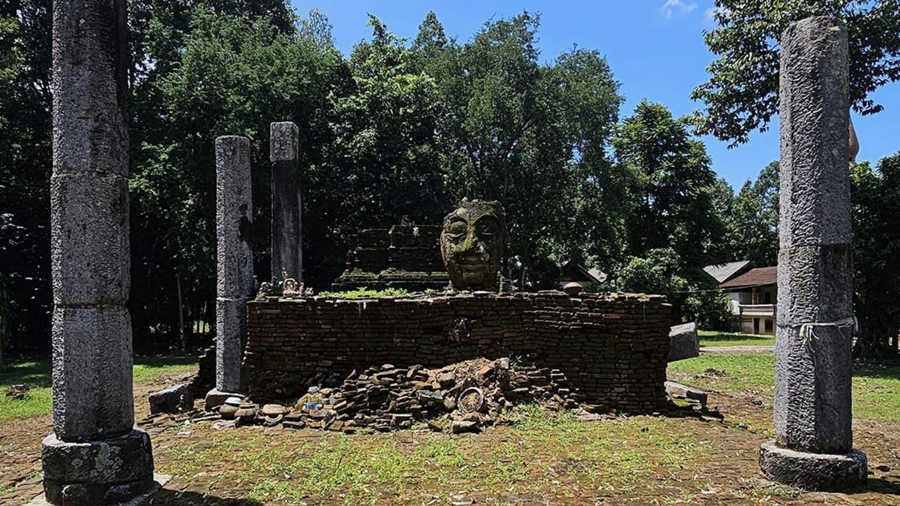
(627, 460)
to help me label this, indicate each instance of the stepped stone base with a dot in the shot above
(97, 472)
(813, 471)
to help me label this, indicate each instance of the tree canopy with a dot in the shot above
(741, 94)
(401, 129)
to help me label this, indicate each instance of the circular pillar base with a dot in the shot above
(97, 472)
(813, 471)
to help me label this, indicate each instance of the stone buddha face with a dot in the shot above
(472, 244)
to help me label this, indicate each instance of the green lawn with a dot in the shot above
(876, 390)
(713, 338)
(37, 376)
(544, 453)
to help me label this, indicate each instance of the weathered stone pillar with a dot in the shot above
(813, 448)
(234, 285)
(287, 247)
(95, 455)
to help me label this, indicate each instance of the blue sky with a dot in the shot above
(655, 49)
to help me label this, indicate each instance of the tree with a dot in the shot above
(382, 164)
(876, 247)
(752, 223)
(673, 188)
(25, 166)
(660, 271)
(510, 125)
(235, 75)
(742, 93)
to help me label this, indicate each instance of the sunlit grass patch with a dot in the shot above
(876, 390)
(37, 376)
(713, 338)
(543, 451)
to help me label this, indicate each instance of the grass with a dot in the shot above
(713, 338)
(37, 375)
(876, 390)
(365, 293)
(543, 451)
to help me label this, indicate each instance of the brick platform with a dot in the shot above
(613, 347)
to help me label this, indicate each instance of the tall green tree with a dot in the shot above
(235, 75)
(382, 164)
(752, 224)
(25, 165)
(742, 92)
(511, 124)
(673, 188)
(876, 248)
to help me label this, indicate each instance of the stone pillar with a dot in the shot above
(287, 247)
(234, 284)
(813, 448)
(95, 455)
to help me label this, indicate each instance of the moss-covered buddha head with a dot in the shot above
(472, 244)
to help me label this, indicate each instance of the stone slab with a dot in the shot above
(683, 342)
(215, 398)
(89, 239)
(231, 326)
(97, 472)
(690, 393)
(234, 275)
(174, 399)
(92, 373)
(814, 471)
(159, 481)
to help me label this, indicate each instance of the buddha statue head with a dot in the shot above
(472, 244)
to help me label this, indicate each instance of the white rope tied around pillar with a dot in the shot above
(808, 334)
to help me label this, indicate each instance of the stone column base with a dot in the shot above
(813, 471)
(97, 472)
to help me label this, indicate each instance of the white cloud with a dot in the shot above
(673, 8)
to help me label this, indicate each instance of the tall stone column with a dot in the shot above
(234, 285)
(287, 247)
(95, 455)
(813, 448)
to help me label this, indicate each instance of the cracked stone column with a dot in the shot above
(287, 247)
(813, 448)
(234, 284)
(95, 455)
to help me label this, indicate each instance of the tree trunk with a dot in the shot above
(180, 315)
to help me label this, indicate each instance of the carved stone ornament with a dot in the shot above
(472, 243)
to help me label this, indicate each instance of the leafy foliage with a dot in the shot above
(752, 222)
(876, 246)
(399, 129)
(694, 299)
(672, 187)
(742, 93)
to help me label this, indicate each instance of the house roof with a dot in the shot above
(724, 272)
(577, 272)
(760, 276)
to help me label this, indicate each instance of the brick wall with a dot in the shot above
(613, 347)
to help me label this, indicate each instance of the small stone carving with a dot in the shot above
(290, 288)
(472, 243)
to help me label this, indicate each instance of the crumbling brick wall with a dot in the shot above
(612, 347)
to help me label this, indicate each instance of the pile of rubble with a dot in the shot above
(462, 397)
